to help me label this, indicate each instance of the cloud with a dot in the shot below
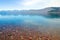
(54, 3)
(34, 4)
(28, 4)
(38, 4)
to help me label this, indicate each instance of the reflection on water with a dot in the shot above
(30, 21)
(35, 20)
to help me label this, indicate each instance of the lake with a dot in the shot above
(29, 27)
(39, 22)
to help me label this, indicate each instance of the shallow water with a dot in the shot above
(31, 21)
(13, 27)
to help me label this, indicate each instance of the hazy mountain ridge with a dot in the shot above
(50, 11)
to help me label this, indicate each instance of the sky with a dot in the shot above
(27, 4)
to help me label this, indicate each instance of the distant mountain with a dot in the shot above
(48, 12)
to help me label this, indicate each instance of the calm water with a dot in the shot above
(30, 21)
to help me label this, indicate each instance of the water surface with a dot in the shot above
(30, 21)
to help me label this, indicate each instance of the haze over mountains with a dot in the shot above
(47, 12)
